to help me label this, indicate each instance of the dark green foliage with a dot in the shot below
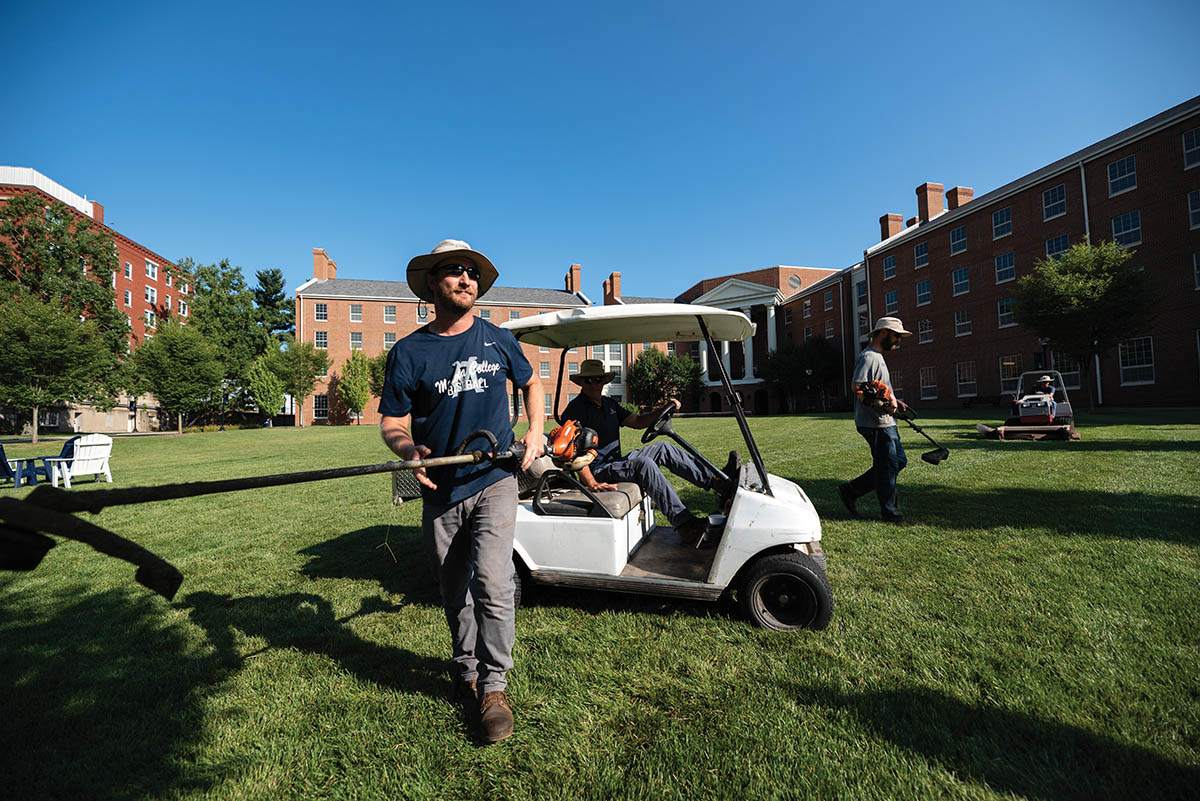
(223, 312)
(298, 365)
(180, 368)
(275, 312)
(807, 369)
(265, 388)
(354, 383)
(376, 372)
(654, 377)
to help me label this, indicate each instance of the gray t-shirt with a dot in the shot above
(870, 366)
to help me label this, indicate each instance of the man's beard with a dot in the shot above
(891, 344)
(450, 296)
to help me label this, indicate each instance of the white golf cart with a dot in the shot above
(1037, 414)
(766, 548)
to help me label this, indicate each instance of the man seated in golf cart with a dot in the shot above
(595, 410)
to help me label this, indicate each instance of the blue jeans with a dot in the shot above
(641, 467)
(887, 460)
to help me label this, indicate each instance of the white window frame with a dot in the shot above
(829, 292)
(928, 292)
(1054, 239)
(960, 287)
(1120, 172)
(423, 311)
(860, 293)
(1001, 313)
(1123, 348)
(1050, 204)
(928, 390)
(920, 255)
(891, 301)
(924, 331)
(514, 314)
(616, 371)
(1010, 269)
(485, 314)
(548, 404)
(167, 277)
(787, 316)
(572, 368)
(1002, 223)
(389, 339)
(129, 270)
(958, 240)
(807, 332)
(889, 268)
(1129, 223)
(962, 323)
(543, 369)
(1191, 148)
(183, 308)
(806, 307)
(321, 340)
(128, 297)
(1194, 209)
(321, 399)
(965, 376)
(356, 340)
(1008, 383)
(320, 312)
(151, 270)
(151, 319)
(389, 315)
(151, 295)
(356, 312)
(829, 329)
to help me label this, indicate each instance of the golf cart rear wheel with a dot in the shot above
(786, 592)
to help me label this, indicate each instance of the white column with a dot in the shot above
(771, 343)
(725, 358)
(704, 362)
(748, 350)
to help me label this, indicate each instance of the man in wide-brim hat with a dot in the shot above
(595, 410)
(443, 382)
(877, 425)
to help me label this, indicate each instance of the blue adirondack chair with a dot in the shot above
(68, 450)
(6, 471)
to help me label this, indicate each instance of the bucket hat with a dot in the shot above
(590, 369)
(448, 248)
(891, 324)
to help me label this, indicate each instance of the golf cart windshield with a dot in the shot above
(642, 322)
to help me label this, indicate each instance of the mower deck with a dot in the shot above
(1028, 432)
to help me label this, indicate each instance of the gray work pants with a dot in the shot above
(641, 467)
(471, 545)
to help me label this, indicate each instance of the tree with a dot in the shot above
(354, 384)
(298, 365)
(50, 356)
(180, 368)
(376, 373)
(797, 369)
(654, 377)
(276, 314)
(1085, 301)
(223, 312)
(265, 388)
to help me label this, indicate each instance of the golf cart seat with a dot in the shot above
(570, 502)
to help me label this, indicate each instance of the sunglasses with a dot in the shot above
(459, 269)
(592, 379)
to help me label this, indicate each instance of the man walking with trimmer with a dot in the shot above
(443, 382)
(873, 410)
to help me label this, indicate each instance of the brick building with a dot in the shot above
(951, 272)
(342, 314)
(144, 287)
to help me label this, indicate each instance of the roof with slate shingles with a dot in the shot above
(630, 299)
(399, 290)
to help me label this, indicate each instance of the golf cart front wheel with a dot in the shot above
(786, 592)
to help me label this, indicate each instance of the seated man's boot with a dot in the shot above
(691, 530)
(725, 488)
(495, 717)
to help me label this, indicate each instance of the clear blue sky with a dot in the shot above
(668, 140)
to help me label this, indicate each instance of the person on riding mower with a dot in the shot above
(595, 410)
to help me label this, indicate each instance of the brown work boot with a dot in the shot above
(691, 530)
(848, 499)
(495, 717)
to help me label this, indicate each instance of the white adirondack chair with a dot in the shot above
(90, 458)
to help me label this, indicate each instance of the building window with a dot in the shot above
(807, 306)
(1122, 175)
(128, 298)
(962, 280)
(514, 315)
(1196, 269)
(966, 379)
(1067, 366)
(864, 324)
(320, 406)
(861, 291)
(921, 255)
(549, 404)
(647, 346)
(616, 369)
(924, 292)
(787, 316)
(543, 349)
(1127, 229)
(1010, 373)
(1137, 361)
(389, 339)
(928, 383)
(924, 331)
(829, 292)
(151, 295)
(670, 348)
(48, 418)
(1194, 208)
(129, 323)
(614, 351)
(1191, 148)
(889, 267)
(356, 340)
(897, 377)
(128, 270)
(543, 369)
(958, 240)
(168, 277)
(151, 319)
(1006, 312)
(321, 340)
(183, 308)
(891, 302)
(389, 314)
(321, 312)
(1054, 202)
(422, 311)
(597, 351)
(1001, 223)
(572, 368)
(962, 323)
(1006, 269)
(829, 329)
(151, 269)
(485, 314)
(807, 332)
(356, 312)
(1056, 246)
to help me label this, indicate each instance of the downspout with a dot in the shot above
(1087, 236)
(299, 338)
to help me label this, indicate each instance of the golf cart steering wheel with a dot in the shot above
(661, 424)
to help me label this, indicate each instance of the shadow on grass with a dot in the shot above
(101, 698)
(1010, 752)
(1125, 515)
(394, 556)
(305, 622)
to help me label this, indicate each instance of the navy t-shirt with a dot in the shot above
(453, 385)
(604, 419)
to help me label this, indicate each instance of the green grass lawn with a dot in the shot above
(1036, 637)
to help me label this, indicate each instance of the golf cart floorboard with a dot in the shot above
(660, 566)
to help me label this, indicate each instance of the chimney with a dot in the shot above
(97, 212)
(574, 278)
(910, 222)
(612, 289)
(324, 268)
(929, 201)
(959, 196)
(890, 225)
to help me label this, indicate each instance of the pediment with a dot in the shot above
(735, 293)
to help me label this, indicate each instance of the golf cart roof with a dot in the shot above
(642, 322)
